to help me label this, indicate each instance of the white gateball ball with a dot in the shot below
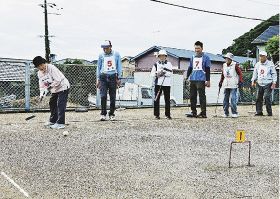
(65, 133)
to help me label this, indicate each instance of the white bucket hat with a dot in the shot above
(263, 53)
(162, 52)
(229, 55)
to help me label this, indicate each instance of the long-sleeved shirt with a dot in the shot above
(165, 67)
(231, 75)
(264, 73)
(53, 78)
(199, 69)
(109, 64)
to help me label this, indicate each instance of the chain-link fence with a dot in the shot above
(246, 94)
(19, 89)
(12, 85)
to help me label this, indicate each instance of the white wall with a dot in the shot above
(144, 78)
(212, 92)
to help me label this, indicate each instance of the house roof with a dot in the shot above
(5, 59)
(267, 34)
(12, 69)
(241, 60)
(127, 57)
(179, 53)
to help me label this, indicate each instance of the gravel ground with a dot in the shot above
(139, 157)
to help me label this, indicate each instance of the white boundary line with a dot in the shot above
(15, 184)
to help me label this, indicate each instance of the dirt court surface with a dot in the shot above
(139, 157)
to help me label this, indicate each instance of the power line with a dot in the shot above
(271, 4)
(207, 11)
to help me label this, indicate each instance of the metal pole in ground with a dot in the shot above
(98, 99)
(217, 102)
(27, 86)
(187, 83)
(252, 101)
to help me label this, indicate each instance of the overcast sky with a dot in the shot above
(132, 25)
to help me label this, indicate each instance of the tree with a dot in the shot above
(75, 61)
(244, 42)
(68, 61)
(272, 47)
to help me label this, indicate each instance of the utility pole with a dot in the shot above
(47, 36)
(47, 41)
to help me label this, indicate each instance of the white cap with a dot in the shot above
(229, 55)
(106, 44)
(162, 52)
(263, 53)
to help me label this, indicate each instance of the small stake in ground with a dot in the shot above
(240, 139)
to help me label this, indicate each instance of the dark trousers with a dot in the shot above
(108, 82)
(57, 104)
(198, 86)
(166, 93)
(264, 92)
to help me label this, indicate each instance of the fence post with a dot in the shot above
(272, 96)
(27, 86)
(98, 99)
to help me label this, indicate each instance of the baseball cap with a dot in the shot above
(106, 44)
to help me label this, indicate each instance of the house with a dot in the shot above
(179, 58)
(263, 38)
(128, 67)
(13, 70)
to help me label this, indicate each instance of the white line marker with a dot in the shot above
(15, 184)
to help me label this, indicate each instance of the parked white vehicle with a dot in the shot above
(134, 95)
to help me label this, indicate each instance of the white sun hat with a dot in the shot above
(162, 52)
(229, 55)
(263, 53)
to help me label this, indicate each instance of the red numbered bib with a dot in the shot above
(109, 64)
(262, 72)
(197, 63)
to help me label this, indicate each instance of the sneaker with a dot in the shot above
(103, 118)
(225, 115)
(269, 114)
(201, 115)
(57, 126)
(112, 117)
(259, 114)
(47, 124)
(157, 117)
(191, 114)
(168, 117)
(234, 115)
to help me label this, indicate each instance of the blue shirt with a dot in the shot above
(100, 65)
(199, 75)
